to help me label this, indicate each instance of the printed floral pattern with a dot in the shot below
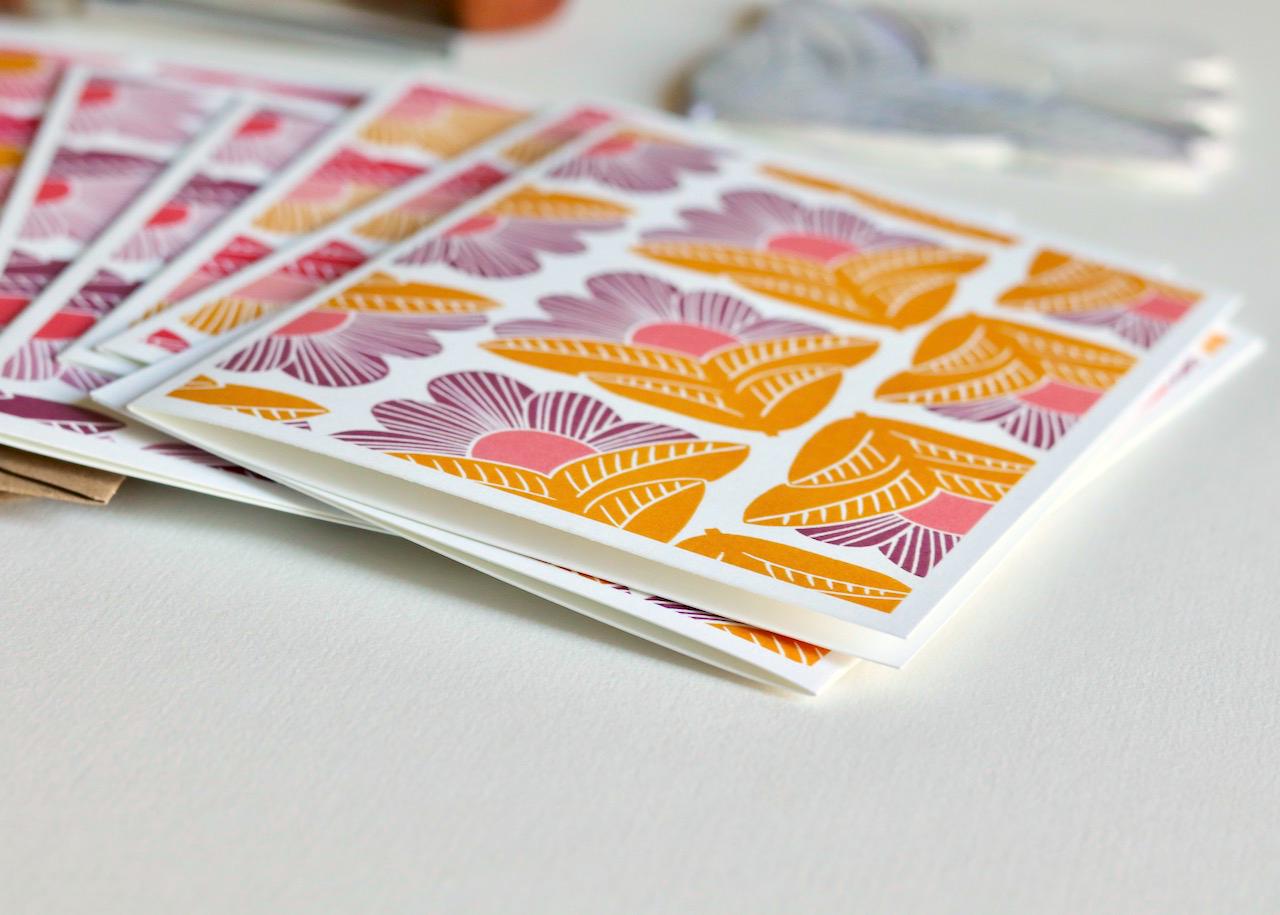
(237, 254)
(269, 139)
(36, 359)
(639, 162)
(1032, 383)
(23, 278)
(346, 181)
(27, 77)
(802, 569)
(559, 448)
(535, 148)
(883, 204)
(144, 110)
(260, 403)
(83, 192)
(346, 340)
(781, 645)
(438, 121)
(909, 491)
(200, 203)
(291, 283)
(507, 239)
(181, 451)
(15, 135)
(1135, 308)
(825, 258)
(421, 211)
(702, 354)
(68, 417)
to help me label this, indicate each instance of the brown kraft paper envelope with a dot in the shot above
(23, 474)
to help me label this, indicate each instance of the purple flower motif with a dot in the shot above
(83, 192)
(345, 341)
(643, 310)
(59, 415)
(191, 454)
(639, 162)
(37, 358)
(339, 349)
(765, 221)
(23, 279)
(143, 109)
(507, 239)
(492, 417)
(200, 203)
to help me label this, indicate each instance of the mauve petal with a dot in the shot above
(714, 310)
(495, 400)
(324, 362)
(640, 294)
(261, 355)
(578, 416)
(439, 428)
(64, 416)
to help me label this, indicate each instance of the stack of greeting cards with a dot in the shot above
(750, 407)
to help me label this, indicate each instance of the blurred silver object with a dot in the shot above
(998, 90)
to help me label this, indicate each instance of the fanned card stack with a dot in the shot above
(746, 406)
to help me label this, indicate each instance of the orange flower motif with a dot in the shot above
(560, 448)
(1068, 288)
(910, 491)
(1033, 383)
(702, 354)
(827, 259)
(794, 566)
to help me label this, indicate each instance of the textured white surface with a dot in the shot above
(210, 708)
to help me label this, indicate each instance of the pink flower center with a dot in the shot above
(168, 214)
(1163, 307)
(531, 448)
(52, 190)
(947, 513)
(10, 305)
(260, 122)
(313, 323)
(810, 247)
(692, 339)
(1064, 398)
(64, 326)
(481, 222)
(615, 146)
(97, 92)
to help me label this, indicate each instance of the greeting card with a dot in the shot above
(711, 373)
(398, 134)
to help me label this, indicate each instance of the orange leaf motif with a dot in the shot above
(891, 207)
(1033, 383)
(973, 358)
(447, 131)
(651, 490)
(530, 203)
(867, 466)
(382, 293)
(263, 403)
(898, 288)
(765, 386)
(802, 568)
(1138, 308)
